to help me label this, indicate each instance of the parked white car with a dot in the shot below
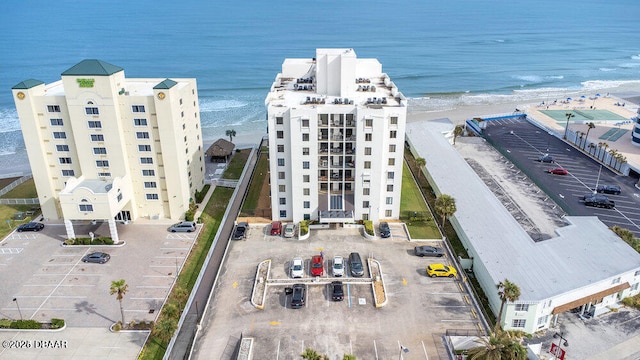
(289, 230)
(297, 268)
(338, 266)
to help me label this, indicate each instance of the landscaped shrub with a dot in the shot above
(69, 242)
(117, 326)
(304, 227)
(171, 310)
(5, 323)
(201, 194)
(57, 323)
(368, 227)
(633, 301)
(188, 216)
(26, 324)
(628, 237)
(107, 241)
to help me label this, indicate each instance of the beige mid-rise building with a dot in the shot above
(105, 147)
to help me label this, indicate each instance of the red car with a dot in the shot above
(317, 268)
(558, 171)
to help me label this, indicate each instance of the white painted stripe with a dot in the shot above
(152, 287)
(59, 285)
(424, 348)
(469, 321)
(173, 248)
(53, 296)
(171, 266)
(66, 275)
(146, 298)
(158, 276)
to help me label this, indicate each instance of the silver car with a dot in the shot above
(297, 268)
(183, 226)
(289, 230)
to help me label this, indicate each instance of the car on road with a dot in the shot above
(297, 268)
(426, 250)
(240, 231)
(31, 226)
(558, 171)
(598, 200)
(317, 268)
(546, 158)
(96, 257)
(183, 226)
(609, 189)
(337, 291)
(338, 266)
(385, 231)
(440, 270)
(298, 296)
(289, 230)
(355, 264)
(276, 228)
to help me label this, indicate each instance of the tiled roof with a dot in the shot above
(166, 84)
(92, 67)
(28, 84)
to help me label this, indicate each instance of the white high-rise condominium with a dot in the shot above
(105, 147)
(336, 139)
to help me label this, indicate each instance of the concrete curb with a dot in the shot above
(120, 244)
(258, 279)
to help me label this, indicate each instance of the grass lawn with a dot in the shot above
(236, 165)
(26, 190)
(423, 225)
(253, 195)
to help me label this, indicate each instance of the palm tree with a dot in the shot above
(507, 291)
(119, 287)
(445, 205)
(566, 128)
(498, 346)
(621, 159)
(310, 354)
(613, 153)
(590, 125)
(164, 329)
(231, 133)
(605, 146)
(420, 162)
(348, 357)
(457, 131)
(580, 134)
(591, 147)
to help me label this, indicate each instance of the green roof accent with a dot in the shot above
(28, 84)
(92, 67)
(166, 84)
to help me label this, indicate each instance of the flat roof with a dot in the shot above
(132, 86)
(584, 252)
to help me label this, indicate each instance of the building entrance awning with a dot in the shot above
(335, 216)
(590, 298)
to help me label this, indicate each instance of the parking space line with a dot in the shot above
(144, 311)
(375, 348)
(53, 296)
(41, 308)
(151, 287)
(11, 250)
(56, 288)
(158, 276)
(66, 274)
(424, 348)
(173, 248)
(465, 321)
(146, 298)
(171, 266)
(58, 285)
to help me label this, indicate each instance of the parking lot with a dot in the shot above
(419, 309)
(525, 143)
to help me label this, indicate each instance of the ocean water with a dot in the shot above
(441, 54)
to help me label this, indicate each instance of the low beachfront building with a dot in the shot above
(336, 128)
(586, 268)
(105, 147)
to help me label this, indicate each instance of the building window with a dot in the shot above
(393, 120)
(56, 122)
(146, 160)
(305, 137)
(148, 173)
(59, 135)
(366, 191)
(280, 134)
(522, 307)
(306, 191)
(305, 123)
(518, 323)
(280, 148)
(282, 188)
(305, 151)
(365, 204)
(392, 148)
(283, 214)
(144, 147)
(283, 201)
(388, 213)
(150, 184)
(543, 320)
(94, 124)
(306, 204)
(86, 207)
(634, 287)
(368, 123)
(281, 175)
(68, 173)
(137, 108)
(616, 280)
(62, 147)
(393, 134)
(99, 150)
(392, 161)
(102, 163)
(91, 111)
(279, 120)
(152, 196)
(367, 164)
(390, 175)
(637, 273)
(368, 137)
(305, 178)
(140, 122)
(367, 151)
(53, 108)
(142, 135)
(119, 197)
(280, 162)
(65, 160)
(97, 137)
(390, 188)
(389, 200)
(305, 164)
(104, 174)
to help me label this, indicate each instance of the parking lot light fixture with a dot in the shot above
(18, 305)
(403, 349)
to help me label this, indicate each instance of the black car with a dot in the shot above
(31, 226)
(609, 189)
(97, 257)
(355, 265)
(598, 200)
(546, 158)
(428, 251)
(298, 296)
(385, 232)
(337, 291)
(241, 231)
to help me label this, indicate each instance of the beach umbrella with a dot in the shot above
(582, 97)
(597, 94)
(569, 99)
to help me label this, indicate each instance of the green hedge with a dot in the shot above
(368, 227)
(100, 240)
(304, 227)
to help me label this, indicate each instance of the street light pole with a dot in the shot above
(566, 128)
(402, 349)
(560, 343)
(18, 305)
